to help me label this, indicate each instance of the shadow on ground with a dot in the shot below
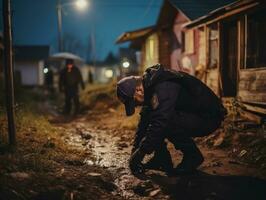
(203, 186)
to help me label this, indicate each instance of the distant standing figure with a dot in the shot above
(49, 80)
(69, 81)
(90, 77)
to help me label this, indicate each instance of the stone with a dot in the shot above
(20, 175)
(154, 192)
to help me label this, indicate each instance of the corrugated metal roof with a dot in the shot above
(197, 8)
(31, 52)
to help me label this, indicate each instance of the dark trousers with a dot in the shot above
(185, 126)
(69, 97)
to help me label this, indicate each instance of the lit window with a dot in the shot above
(152, 48)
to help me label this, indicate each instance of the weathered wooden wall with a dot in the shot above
(212, 80)
(252, 86)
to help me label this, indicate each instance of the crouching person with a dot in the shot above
(175, 106)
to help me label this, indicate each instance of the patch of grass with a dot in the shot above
(100, 94)
(39, 144)
(131, 122)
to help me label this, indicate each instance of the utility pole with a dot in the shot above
(59, 21)
(8, 66)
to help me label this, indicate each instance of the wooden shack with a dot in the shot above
(234, 48)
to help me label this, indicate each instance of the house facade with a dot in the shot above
(234, 64)
(29, 64)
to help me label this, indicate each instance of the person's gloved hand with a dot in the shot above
(135, 164)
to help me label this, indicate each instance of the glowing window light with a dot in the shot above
(109, 73)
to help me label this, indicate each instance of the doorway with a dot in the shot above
(229, 62)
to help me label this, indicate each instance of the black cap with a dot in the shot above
(69, 61)
(125, 92)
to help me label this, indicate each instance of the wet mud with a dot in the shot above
(219, 177)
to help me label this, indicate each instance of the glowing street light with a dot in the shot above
(81, 4)
(45, 70)
(126, 64)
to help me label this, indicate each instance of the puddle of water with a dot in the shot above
(109, 152)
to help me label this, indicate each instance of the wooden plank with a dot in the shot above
(219, 60)
(252, 97)
(227, 14)
(250, 116)
(254, 108)
(252, 86)
(207, 36)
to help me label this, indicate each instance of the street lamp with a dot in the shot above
(80, 5)
(126, 64)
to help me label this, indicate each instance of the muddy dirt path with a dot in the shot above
(221, 178)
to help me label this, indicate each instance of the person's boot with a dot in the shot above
(161, 161)
(192, 159)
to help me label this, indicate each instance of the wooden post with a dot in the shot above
(8, 66)
(59, 20)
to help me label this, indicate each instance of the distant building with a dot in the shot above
(146, 53)
(129, 61)
(29, 64)
(106, 71)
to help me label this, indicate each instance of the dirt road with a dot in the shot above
(221, 177)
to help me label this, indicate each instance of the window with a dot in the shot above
(189, 41)
(256, 40)
(150, 47)
(213, 46)
(151, 50)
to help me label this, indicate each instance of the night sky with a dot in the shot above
(35, 22)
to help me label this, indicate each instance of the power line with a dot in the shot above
(148, 9)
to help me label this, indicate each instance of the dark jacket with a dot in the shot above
(69, 81)
(167, 93)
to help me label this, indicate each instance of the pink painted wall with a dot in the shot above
(177, 57)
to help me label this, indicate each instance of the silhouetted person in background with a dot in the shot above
(90, 77)
(49, 80)
(69, 81)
